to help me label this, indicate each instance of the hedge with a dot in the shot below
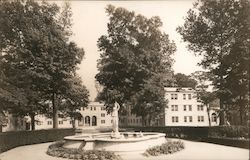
(9, 140)
(237, 136)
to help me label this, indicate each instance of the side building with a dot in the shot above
(185, 109)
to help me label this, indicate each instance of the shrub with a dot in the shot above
(57, 150)
(9, 140)
(229, 132)
(167, 148)
(199, 133)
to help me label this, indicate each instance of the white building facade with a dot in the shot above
(185, 109)
(92, 116)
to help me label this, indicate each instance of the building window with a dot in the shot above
(189, 96)
(214, 118)
(190, 107)
(102, 114)
(49, 122)
(103, 108)
(60, 122)
(91, 108)
(174, 107)
(200, 118)
(184, 107)
(39, 123)
(175, 119)
(185, 118)
(112, 121)
(70, 122)
(87, 121)
(94, 123)
(94, 108)
(190, 119)
(102, 121)
(184, 96)
(200, 107)
(174, 96)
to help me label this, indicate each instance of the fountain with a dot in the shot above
(115, 141)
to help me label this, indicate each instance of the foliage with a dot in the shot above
(36, 54)
(218, 31)
(183, 80)
(57, 150)
(135, 61)
(229, 132)
(166, 148)
(9, 140)
(199, 133)
(74, 99)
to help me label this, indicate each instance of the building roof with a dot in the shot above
(95, 104)
(179, 89)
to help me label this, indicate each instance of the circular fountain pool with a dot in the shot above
(125, 142)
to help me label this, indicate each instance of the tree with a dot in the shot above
(205, 96)
(182, 80)
(36, 40)
(76, 97)
(134, 55)
(218, 31)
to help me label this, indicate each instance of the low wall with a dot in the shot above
(236, 136)
(9, 140)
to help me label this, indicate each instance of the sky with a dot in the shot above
(90, 22)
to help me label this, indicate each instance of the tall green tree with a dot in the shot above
(219, 31)
(203, 95)
(75, 98)
(35, 39)
(182, 80)
(135, 55)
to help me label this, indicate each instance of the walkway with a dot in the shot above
(192, 151)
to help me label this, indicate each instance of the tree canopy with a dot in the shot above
(182, 80)
(36, 53)
(219, 32)
(135, 61)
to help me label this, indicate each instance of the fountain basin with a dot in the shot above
(130, 141)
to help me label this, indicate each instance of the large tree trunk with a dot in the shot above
(241, 111)
(242, 115)
(222, 113)
(208, 114)
(32, 121)
(55, 111)
(1, 128)
(143, 121)
(73, 123)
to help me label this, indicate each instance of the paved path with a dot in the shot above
(199, 151)
(192, 151)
